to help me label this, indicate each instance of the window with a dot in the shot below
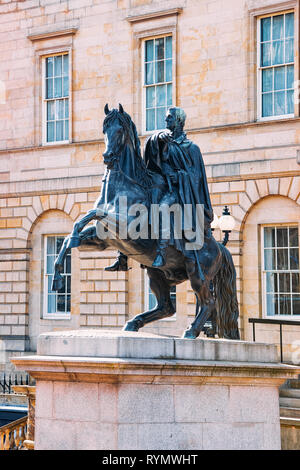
(281, 274)
(276, 66)
(158, 87)
(56, 304)
(56, 98)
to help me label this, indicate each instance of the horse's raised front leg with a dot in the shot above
(87, 237)
(74, 238)
(164, 308)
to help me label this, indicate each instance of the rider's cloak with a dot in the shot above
(182, 157)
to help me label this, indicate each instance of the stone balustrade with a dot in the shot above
(12, 435)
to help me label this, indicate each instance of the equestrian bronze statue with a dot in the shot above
(137, 196)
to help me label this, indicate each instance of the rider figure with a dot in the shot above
(180, 161)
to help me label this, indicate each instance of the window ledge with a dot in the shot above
(154, 14)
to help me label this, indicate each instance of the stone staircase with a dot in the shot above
(289, 400)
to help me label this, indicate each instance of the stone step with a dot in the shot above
(290, 392)
(287, 412)
(289, 402)
(293, 383)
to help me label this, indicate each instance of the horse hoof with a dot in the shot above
(189, 334)
(131, 326)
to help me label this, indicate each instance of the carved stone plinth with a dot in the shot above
(119, 390)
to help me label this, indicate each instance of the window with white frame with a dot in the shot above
(276, 66)
(281, 273)
(158, 81)
(56, 98)
(56, 304)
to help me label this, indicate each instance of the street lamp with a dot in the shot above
(225, 223)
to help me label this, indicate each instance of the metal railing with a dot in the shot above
(7, 381)
(269, 321)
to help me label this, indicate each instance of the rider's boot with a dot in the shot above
(119, 265)
(160, 259)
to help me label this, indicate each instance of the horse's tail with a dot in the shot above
(226, 297)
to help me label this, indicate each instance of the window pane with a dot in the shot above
(67, 129)
(59, 130)
(50, 110)
(270, 259)
(293, 234)
(267, 104)
(279, 78)
(282, 259)
(50, 245)
(289, 25)
(296, 304)
(290, 76)
(66, 108)
(66, 64)
(272, 304)
(169, 94)
(160, 118)
(294, 258)
(68, 279)
(61, 304)
(149, 56)
(150, 119)
(279, 103)
(50, 264)
(161, 95)
(290, 101)
(169, 47)
(160, 72)
(65, 86)
(50, 131)
(149, 73)
(295, 282)
(285, 304)
(51, 303)
(49, 88)
(159, 49)
(278, 27)
(59, 242)
(68, 264)
(269, 237)
(266, 54)
(58, 65)
(271, 279)
(289, 50)
(277, 52)
(150, 97)
(168, 70)
(49, 67)
(68, 303)
(265, 29)
(60, 109)
(267, 80)
(57, 87)
(284, 282)
(282, 237)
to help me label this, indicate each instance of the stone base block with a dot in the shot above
(119, 390)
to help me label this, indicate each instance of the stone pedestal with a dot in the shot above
(99, 389)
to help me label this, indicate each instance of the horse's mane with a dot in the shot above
(142, 173)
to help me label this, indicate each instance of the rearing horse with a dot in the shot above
(127, 176)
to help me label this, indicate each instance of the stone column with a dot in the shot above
(99, 389)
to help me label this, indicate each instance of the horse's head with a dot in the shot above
(117, 131)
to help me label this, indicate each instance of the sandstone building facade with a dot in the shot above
(232, 65)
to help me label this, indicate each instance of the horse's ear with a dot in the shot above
(121, 110)
(106, 109)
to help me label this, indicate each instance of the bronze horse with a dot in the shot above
(127, 176)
